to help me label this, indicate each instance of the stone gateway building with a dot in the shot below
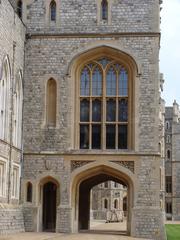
(172, 167)
(89, 80)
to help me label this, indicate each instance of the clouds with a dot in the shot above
(170, 49)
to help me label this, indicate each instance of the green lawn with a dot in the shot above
(173, 231)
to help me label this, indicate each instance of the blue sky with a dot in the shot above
(170, 50)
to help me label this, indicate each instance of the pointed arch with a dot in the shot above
(5, 98)
(127, 68)
(51, 103)
(17, 110)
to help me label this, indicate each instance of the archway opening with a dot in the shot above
(101, 204)
(49, 206)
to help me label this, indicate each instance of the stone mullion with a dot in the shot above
(90, 109)
(104, 111)
(116, 141)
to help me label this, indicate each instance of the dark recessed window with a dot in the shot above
(53, 11)
(19, 8)
(168, 184)
(29, 192)
(104, 10)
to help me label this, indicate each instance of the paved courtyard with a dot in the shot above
(99, 231)
(55, 236)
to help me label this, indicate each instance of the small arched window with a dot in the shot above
(104, 10)
(168, 154)
(19, 8)
(116, 204)
(125, 204)
(29, 192)
(106, 184)
(51, 103)
(167, 125)
(105, 204)
(168, 140)
(53, 11)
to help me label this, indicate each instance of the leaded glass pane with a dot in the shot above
(110, 136)
(84, 136)
(97, 82)
(123, 83)
(123, 110)
(111, 82)
(96, 136)
(111, 110)
(84, 110)
(96, 111)
(85, 82)
(122, 136)
(104, 61)
(53, 11)
(104, 6)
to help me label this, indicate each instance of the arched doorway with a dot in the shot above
(85, 201)
(49, 206)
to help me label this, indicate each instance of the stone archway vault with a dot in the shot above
(86, 178)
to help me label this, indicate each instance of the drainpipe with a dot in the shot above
(11, 123)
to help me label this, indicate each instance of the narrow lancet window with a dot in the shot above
(51, 103)
(29, 192)
(53, 11)
(19, 8)
(104, 10)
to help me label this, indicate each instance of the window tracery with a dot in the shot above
(103, 105)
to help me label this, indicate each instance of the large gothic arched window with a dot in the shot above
(103, 103)
(4, 100)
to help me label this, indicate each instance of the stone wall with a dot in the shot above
(12, 39)
(50, 57)
(80, 16)
(11, 219)
(176, 170)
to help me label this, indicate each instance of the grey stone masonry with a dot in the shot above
(11, 219)
(12, 38)
(78, 16)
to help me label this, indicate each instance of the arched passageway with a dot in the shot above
(49, 206)
(84, 197)
(85, 181)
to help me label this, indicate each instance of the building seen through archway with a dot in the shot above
(108, 205)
